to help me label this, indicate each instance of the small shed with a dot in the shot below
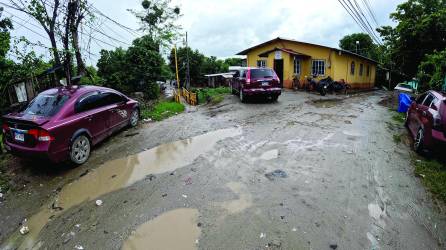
(219, 79)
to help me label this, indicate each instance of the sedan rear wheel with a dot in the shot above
(80, 150)
(419, 141)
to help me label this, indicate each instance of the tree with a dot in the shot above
(359, 43)
(420, 31)
(432, 70)
(61, 20)
(5, 64)
(47, 16)
(135, 69)
(200, 65)
(158, 20)
(234, 62)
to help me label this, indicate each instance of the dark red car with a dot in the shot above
(426, 120)
(249, 82)
(64, 123)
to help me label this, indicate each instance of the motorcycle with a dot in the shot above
(314, 85)
(338, 86)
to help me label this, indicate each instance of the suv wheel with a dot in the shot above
(242, 96)
(80, 150)
(419, 141)
(134, 118)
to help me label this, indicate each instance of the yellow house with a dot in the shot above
(290, 59)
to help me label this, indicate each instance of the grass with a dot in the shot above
(397, 138)
(399, 117)
(162, 110)
(433, 175)
(212, 95)
(4, 183)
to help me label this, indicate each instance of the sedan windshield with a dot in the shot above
(46, 105)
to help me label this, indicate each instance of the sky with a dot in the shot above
(224, 28)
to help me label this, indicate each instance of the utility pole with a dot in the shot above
(188, 65)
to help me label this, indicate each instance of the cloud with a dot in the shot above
(224, 28)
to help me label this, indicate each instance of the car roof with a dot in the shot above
(75, 90)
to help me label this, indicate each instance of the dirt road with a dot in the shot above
(302, 173)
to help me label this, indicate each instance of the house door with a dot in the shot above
(278, 67)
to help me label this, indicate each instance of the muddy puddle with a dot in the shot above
(121, 173)
(325, 103)
(173, 230)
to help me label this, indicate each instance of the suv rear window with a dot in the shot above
(46, 105)
(261, 73)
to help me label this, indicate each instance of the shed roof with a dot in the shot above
(279, 39)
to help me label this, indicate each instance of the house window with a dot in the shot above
(318, 67)
(296, 66)
(361, 69)
(261, 63)
(368, 70)
(352, 68)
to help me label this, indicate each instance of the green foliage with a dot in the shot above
(433, 175)
(233, 62)
(162, 110)
(135, 69)
(366, 47)
(199, 65)
(112, 67)
(399, 117)
(213, 95)
(158, 19)
(92, 77)
(420, 31)
(432, 71)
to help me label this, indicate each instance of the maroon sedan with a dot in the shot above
(64, 123)
(426, 120)
(249, 82)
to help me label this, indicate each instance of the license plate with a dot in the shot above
(19, 137)
(265, 83)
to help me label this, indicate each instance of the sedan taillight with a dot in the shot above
(41, 135)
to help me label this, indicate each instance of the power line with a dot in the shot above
(371, 12)
(353, 12)
(128, 29)
(365, 18)
(359, 18)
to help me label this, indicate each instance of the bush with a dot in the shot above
(213, 95)
(152, 91)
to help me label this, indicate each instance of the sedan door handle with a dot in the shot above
(89, 118)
